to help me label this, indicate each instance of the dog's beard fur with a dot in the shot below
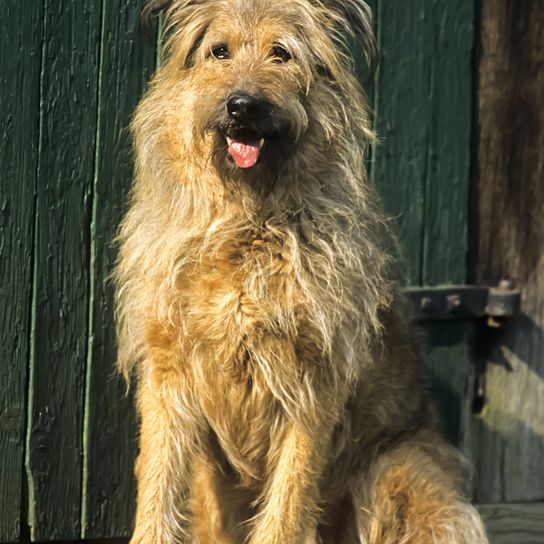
(258, 304)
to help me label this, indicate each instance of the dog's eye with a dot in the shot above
(279, 54)
(220, 52)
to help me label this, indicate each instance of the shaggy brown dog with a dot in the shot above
(279, 390)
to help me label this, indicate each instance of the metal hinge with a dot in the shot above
(463, 302)
(487, 308)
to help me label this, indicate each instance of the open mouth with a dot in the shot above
(244, 146)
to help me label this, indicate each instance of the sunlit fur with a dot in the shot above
(278, 384)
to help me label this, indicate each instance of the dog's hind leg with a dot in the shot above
(412, 495)
(169, 439)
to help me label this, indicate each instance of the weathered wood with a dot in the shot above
(422, 165)
(423, 109)
(447, 169)
(20, 44)
(514, 523)
(402, 120)
(447, 358)
(507, 440)
(65, 173)
(127, 60)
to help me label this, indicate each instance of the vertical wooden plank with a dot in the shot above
(20, 44)
(423, 116)
(402, 121)
(422, 166)
(61, 275)
(508, 437)
(447, 179)
(110, 432)
(447, 356)
(447, 183)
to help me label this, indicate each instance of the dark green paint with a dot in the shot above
(447, 358)
(68, 114)
(421, 167)
(402, 122)
(127, 60)
(20, 44)
(423, 118)
(447, 179)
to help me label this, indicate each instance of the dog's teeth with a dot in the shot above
(229, 140)
(261, 143)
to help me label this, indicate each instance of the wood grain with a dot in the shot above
(20, 44)
(514, 523)
(422, 166)
(447, 174)
(507, 440)
(447, 358)
(65, 172)
(423, 116)
(127, 60)
(402, 121)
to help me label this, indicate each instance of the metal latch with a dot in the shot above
(463, 302)
(487, 308)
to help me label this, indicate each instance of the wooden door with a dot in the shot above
(506, 439)
(460, 108)
(71, 74)
(423, 111)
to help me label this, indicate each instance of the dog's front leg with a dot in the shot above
(289, 511)
(170, 435)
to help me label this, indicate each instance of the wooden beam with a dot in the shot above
(507, 439)
(69, 82)
(20, 46)
(514, 523)
(127, 61)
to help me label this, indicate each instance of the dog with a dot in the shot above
(278, 383)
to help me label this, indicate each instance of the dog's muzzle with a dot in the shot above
(248, 110)
(250, 118)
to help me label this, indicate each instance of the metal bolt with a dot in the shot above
(453, 302)
(506, 284)
(425, 303)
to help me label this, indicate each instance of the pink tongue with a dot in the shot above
(245, 155)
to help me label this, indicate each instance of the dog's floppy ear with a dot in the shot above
(358, 17)
(151, 8)
(185, 24)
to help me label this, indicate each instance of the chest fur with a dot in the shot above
(241, 292)
(246, 309)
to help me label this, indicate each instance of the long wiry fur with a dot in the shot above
(278, 385)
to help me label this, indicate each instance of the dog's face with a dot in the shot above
(253, 86)
(256, 77)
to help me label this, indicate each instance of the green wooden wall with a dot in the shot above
(423, 110)
(71, 74)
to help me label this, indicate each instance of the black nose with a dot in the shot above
(247, 109)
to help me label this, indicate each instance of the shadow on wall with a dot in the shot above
(504, 437)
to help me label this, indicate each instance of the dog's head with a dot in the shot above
(255, 80)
